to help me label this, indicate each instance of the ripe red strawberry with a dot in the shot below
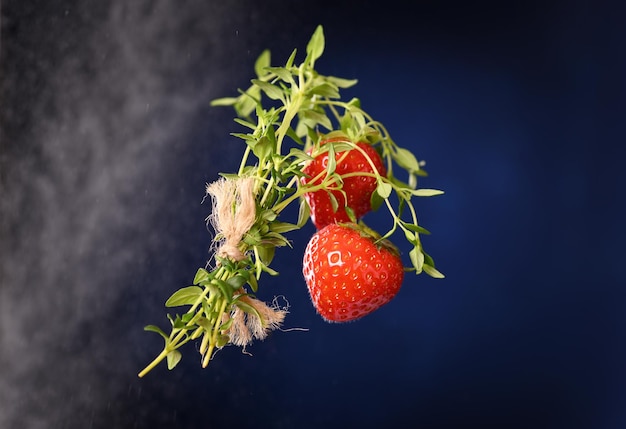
(358, 189)
(348, 276)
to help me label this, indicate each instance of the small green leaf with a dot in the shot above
(282, 73)
(426, 192)
(178, 323)
(428, 260)
(224, 326)
(308, 131)
(406, 159)
(432, 271)
(299, 154)
(411, 238)
(204, 323)
(225, 288)
(324, 89)
(416, 228)
(272, 91)
(248, 101)
(282, 227)
(266, 253)
(417, 259)
(153, 328)
(342, 83)
(384, 189)
(291, 58)
(231, 176)
(333, 201)
(225, 101)
(315, 47)
(247, 308)
(276, 239)
(331, 165)
(262, 62)
(351, 214)
(401, 206)
(317, 118)
(202, 275)
(412, 181)
(185, 296)
(304, 212)
(355, 102)
(222, 340)
(339, 146)
(246, 124)
(345, 123)
(262, 148)
(254, 285)
(269, 271)
(359, 118)
(268, 215)
(376, 201)
(249, 138)
(173, 358)
(236, 282)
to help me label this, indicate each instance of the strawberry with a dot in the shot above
(349, 275)
(358, 189)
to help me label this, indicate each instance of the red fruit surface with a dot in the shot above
(358, 189)
(348, 276)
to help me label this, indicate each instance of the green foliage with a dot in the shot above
(184, 296)
(305, 107)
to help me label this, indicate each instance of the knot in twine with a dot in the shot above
(233, 213)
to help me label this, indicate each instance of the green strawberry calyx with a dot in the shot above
(374, 236)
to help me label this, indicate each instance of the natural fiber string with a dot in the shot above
(232, 216)
(233, 213)
(246, 327)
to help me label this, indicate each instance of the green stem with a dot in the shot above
(154, 363)
(213, 339)
(303, 190)
(324, 184)
(268, 188)
(331, 107)
(178, 337)
(290, 114)
(244, 160)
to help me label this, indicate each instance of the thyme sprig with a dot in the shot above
(285, 113)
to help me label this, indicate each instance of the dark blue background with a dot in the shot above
(519, 111)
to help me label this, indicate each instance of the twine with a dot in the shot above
(247, 327)
(233, 214)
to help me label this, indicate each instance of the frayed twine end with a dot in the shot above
(232, 215)
(246, 327)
